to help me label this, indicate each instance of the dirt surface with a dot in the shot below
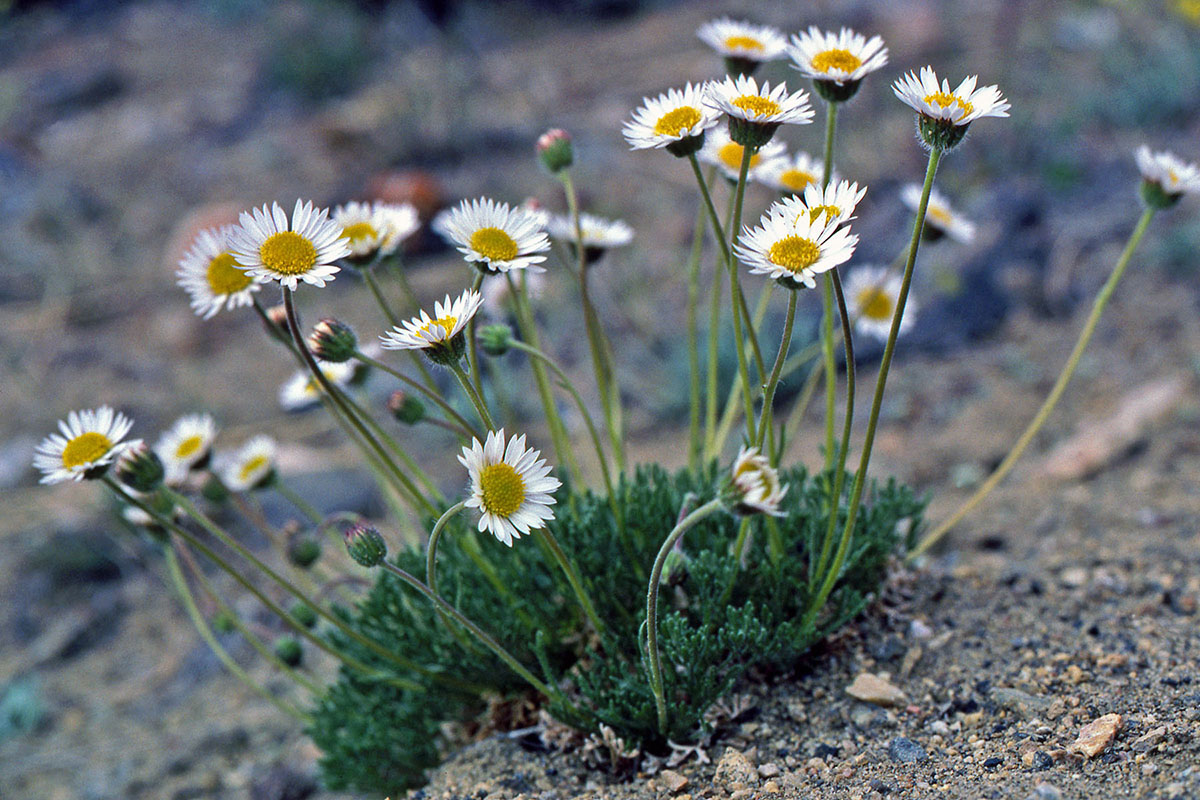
(1071, 595)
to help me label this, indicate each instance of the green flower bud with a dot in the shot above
(289, 651)
(365, 545)
(223, 622)
(140, 468)
(304, 614)
(495, 339)
(406, 408)
(304, 550)
(555, 151)
(333, 341)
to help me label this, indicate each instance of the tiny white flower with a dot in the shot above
(755, 484)
(186, 445)
(671, 120)
(743, 40)
(790, 173)
(940, 217)
(303, 391)
(494, 237)
(794, 246)
(87, 443)
(873, 294)
(843, 57)
(960, 106)
(269, 247)
(449, 319)
(598, 232)
(250, 467)
(1173, 175)
(375, 228)
(211, 277)
(511, 486)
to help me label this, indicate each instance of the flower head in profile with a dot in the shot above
(86, 444)
(744, 46)
(599, 234)
(302, 391)
(836, 201)
(1165, 178)
(793, 248)
(185, 446)
(251, 467)
(493, 237)
(726, 155)
(873, 294)
(790, 174)
(836, 62)
(510, 485)
(270, 247)
(754, 485)
(755, 112)
(944, 114)
(210, 276)
(440, 336)
(941, 219)
(675, 121)
(375, 229)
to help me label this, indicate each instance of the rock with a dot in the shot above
(1044, 791)
(673, 781)
(1096, 735)
(1021, 703)
(1148, 741)
(874, 689)
(906, 751)
(771, 787)
(734, 768)
(768, 770)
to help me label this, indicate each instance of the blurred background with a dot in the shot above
(126, 126)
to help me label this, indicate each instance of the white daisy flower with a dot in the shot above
(943, 115)
(940, 217)
(599, 234)
(676, 120)
(790, 173)
(211, 277)
(873, 294)
(360, 227)
(836, 201)
(185, 446)
(755, 484)
(439, 332)
(842, 58)
(87, 443)
(397, 222)
(1173, 175)
(755, 112)
(250, 467)
(270, 248)
(303, 391)
(726, 155)
(743, 44)
(494, 237)
(794, 247)
(511, 486)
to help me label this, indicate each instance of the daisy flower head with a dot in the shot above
(675, 121)
(270, 247)
(211, 277)
(493, 237)
(185, 446)
(726, 155)
(302, 391)
(251, 467)
(397, 222)
(755, 112)
(86, 444)
(793, 248)
(360, 227)
(1165, 178)
(599, 234)
(510, 485)
(440, 336)
(836, 62)
(743, 45)
(941, 219)
(944, 114)
(873, 294)
(790, 174)
(754, 485)
(836, 202)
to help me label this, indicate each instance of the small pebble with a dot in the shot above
(906, 751)
(875, 689)
(673, 781)
(1096, 735)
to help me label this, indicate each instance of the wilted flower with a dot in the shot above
(754, 485)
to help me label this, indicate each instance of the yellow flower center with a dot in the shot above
(757, 106)
(940, 215)
(445, 323)
(358, 232)
(875, 304)
(252, 466)
(224, 277)
(502, 488)
(85, 448)
(288, 253)
(796, 179)
(945, 100)
(794, 253)
(836, 59)
(189, 446)
(743, 43)
(676, 121)
(830, 212)
(494, 244)
(731, 156)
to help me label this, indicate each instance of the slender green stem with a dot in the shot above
(390, 441)
(189, 602)
(1064, 377)
(693, 335)
(431, 548)
(473, 343)
(764, 422)
(885, 364)
(652, 654)
(436, 397)
(477, 401)
(730, 412)
(377, 293)
(568, 568)
(735, 292)
(827, 344)
(714, 320)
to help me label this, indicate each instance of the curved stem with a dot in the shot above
(573, 578)
(431, 548)
(1085, 336)
(652, 654)
(764, 421)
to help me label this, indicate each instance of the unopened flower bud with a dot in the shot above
(754, 486)
(365, 545)
(140, 468)
(333, 341)
(555, 151)
(304, 614)
(406, 408)
(277, 316)
(495, 339)
(304, 550)
(223, 622)
(289, 651)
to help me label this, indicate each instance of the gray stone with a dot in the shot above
(906, 751)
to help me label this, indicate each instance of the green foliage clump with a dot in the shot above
(718, 618)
